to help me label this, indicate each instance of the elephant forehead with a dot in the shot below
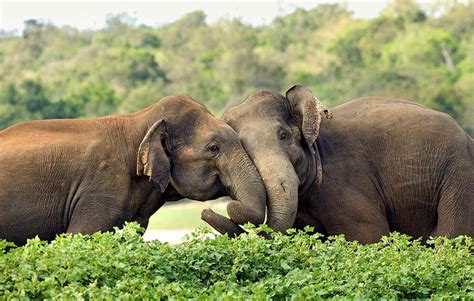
(258, 107)
(254, 133)
(210, 126)
(180, 103)
(189, 122)
(200, 131)
(183, 112)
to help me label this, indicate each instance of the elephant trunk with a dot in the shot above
(245, 185)
(281, 183)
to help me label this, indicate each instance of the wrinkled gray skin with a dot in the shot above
(387, 165)
(88, 175)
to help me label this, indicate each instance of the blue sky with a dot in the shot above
(88, 14)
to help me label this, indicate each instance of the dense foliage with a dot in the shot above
(422, 54)
(108, 266)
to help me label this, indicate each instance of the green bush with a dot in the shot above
(300, 266)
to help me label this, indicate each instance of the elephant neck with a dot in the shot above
(146, 117)
(171, 194)
(313, 177)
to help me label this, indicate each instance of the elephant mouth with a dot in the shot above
(218, 191)
(221, 189)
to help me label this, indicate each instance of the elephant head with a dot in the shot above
(279, 134)
(200, 156)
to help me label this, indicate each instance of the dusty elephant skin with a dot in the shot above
(89, 175)
(379, 165)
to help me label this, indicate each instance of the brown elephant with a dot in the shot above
(88, 175)
(379, 165)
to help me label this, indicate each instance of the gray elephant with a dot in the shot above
(89, 175)
(379, 165)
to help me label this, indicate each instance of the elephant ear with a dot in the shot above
(307, 111)
(152, 160)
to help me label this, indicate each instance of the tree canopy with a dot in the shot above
(424, 55)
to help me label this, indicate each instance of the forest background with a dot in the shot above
(420, 54)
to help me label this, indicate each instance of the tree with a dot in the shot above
(95, 99)
(408, 51)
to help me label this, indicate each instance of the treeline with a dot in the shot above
(425, 55)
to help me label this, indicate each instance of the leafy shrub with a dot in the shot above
(300, 266)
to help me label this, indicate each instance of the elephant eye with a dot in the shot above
(283, 136)
(214, 149)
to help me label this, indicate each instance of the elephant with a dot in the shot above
(379, 165)
(89, 175)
